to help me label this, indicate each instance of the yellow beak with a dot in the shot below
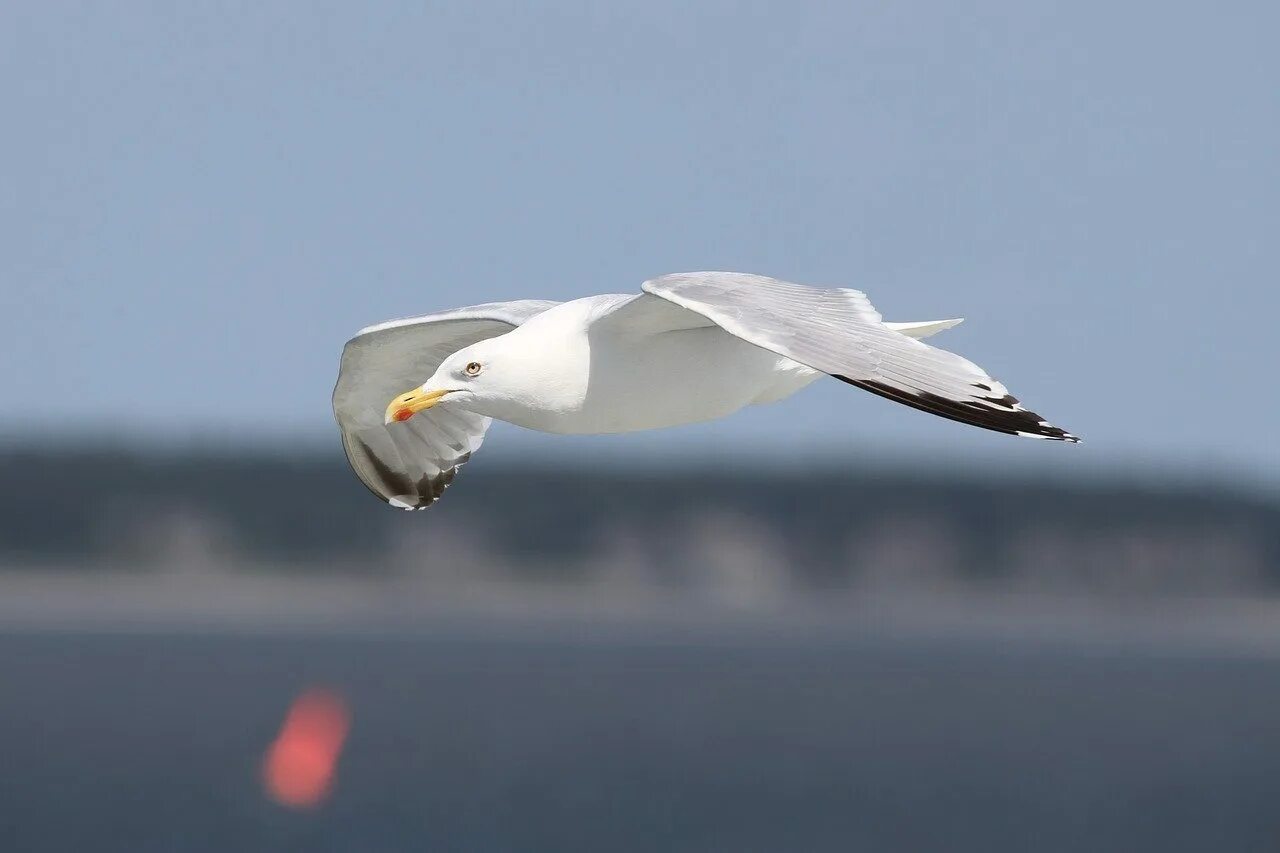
(407, 405)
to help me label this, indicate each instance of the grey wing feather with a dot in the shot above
(840, 333)
(410, 464)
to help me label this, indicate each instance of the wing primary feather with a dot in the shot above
(1010, 418)
(425, 490)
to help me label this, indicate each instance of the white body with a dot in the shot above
(616, 379)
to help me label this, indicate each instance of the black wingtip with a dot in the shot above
(397, 489)
(999, 414)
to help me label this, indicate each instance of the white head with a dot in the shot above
(500, 379)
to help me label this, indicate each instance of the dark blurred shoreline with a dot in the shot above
(718, 532)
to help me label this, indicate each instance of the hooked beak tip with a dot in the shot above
(407, 405)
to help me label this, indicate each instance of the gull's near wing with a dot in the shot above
(409, 464)
(839, 333)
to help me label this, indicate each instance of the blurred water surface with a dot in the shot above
(537, 735)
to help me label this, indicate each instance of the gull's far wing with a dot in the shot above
(839, 333)
(409, 464)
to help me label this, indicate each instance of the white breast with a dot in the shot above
(676, 377)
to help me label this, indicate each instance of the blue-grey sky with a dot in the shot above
(202, 201)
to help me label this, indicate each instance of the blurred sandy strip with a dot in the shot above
(70, 601)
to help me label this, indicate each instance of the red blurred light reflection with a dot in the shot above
(301, 763)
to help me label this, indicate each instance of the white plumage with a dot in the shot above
(691, 347)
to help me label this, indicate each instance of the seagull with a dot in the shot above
(689, 347)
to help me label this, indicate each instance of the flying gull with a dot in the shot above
(690, 347)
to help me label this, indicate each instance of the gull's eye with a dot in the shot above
(473, 368)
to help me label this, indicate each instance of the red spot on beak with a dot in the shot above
(403, 414)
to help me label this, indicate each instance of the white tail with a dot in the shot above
(924, 329)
